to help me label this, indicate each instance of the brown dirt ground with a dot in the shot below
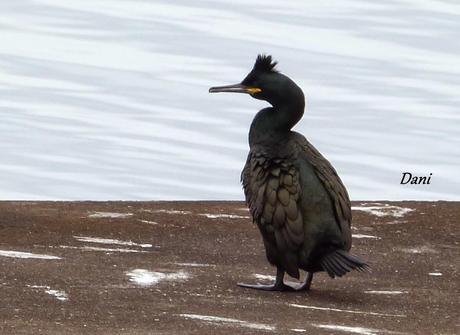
(102, 300)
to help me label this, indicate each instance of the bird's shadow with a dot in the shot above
(319, 295)
(328, 296)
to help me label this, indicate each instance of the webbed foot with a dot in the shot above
(279, 285)
(306, 285)
(275, 287)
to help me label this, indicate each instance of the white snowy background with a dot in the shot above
(109, 99)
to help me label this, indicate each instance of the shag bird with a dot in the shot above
(295, 196)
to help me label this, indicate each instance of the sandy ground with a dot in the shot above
(172, 268)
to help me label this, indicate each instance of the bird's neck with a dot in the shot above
(272, 125)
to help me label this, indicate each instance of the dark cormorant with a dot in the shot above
(294, 194)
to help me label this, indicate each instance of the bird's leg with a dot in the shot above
(279, 285)
(306, 286)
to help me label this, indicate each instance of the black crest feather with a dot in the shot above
(264, 63)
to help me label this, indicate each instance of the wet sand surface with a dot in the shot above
(172, 268)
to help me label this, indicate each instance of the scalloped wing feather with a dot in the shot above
(272, 193)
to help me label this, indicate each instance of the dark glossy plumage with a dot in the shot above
(298, 202)
(295, 196)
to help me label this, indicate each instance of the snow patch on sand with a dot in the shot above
(224, 216)
(168, 211)
(264, 277)
(58, 294)
(112, 215)
(385, 210)
(149, 222)
(366, 236)
(346, 311)
(354, 330)
(419, 250)
(194, 264)
(221, 320)
(111, 241)
(20, 254)
(144, 277)
(86, 248)
(395, 222)
(386, 292)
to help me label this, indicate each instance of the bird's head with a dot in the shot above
(264, 82)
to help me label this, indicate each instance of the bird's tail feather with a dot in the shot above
(339, 262)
